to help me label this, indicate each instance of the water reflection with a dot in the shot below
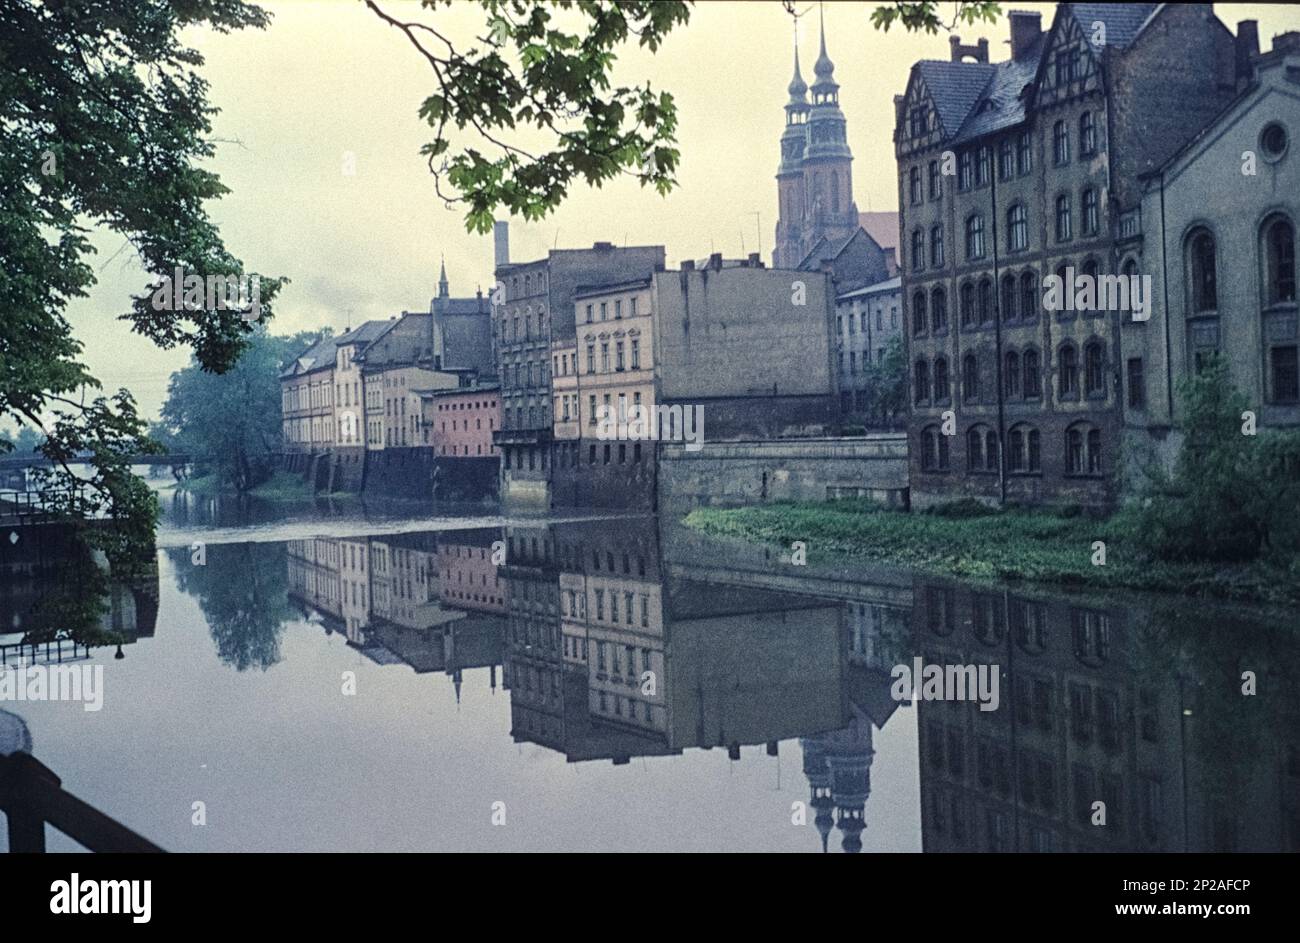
(615, 641)
(638, 639)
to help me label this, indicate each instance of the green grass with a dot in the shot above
(1013, 544)
(281, 486)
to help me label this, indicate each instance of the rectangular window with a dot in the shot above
(1137, 389)
(1286, 377)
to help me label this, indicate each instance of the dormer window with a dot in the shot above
(917, 120)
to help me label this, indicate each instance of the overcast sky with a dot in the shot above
(328, 78)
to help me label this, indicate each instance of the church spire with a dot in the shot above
(444, 290)
(824, 69)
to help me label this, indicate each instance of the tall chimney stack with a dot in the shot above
(501, 243)
(1026, 28)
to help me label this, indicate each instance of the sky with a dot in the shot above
(329, 84)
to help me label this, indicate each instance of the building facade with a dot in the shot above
(1013, 172)
(868, 321)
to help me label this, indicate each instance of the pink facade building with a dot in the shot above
(459, 423)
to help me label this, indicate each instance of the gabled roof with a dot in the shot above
(319, 355)
(462, 306)
(1001, 104)
(882, 227)
(364, 334)
(1124, 22)
(954, 89)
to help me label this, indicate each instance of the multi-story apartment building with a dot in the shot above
(867, 321)
(533, 307)
(1019, 170)
(1216, 232)
(458, 422)
(307, 408)
(566, 414)
(349, 407)
(462, 331)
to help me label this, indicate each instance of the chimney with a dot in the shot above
(501, 243)
(1026, 29)
(688, 265)
(715, 261)
(1247, 47)
(980, 50)
(602, 246)
(754, 261)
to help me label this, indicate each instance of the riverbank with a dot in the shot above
(1014, 544)
(282, 486)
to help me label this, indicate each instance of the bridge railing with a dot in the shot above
(31, 797)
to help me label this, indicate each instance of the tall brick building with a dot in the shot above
(1009, 172)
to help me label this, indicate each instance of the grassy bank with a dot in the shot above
(282, 486)
(1015, 544)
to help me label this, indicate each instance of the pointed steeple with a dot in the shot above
(798, 87)
(444, 290)
(824, 69)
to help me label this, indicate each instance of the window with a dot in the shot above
(916, 121)
(1069, 371)
(1028, 296)
(1083, 450)
(934, 449)
(1285, 370)
(1009, 292)
(1024, 449)
(975, 449)
(1087, 134)
(936, 180)
(914, 185)
(1033, 380)
(938, 310)
(967, 303)
(918, 250)
(1024, 154)
(1094, 359)
(940, 380)
(1201, 263)
(965, 170)
(1060, 143)
(1137, 389)
(1006, 159)
(921, 386)
(1279, 252)
(591, 358)
(636, 354)
(1091, 219)
(618, 355)
(918, 312)
(1064, 229)
(970, 379)
(1272, 141)
(982, 167)
(1017, 228)
(936, 247)
(986, 301)
(1011, 374)
(588, 314)
(975, 237)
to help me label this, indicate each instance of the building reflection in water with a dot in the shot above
(640, 639)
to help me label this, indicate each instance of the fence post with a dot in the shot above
(24, 776)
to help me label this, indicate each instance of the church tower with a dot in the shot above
(815, 180)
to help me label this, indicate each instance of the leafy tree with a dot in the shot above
(887, 384)
(26, 442)
(231, 422)
(530, 71)
(103, 121)
(1222, 499)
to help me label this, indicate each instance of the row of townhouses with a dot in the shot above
(1138, 140)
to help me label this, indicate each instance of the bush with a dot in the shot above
(965, 508)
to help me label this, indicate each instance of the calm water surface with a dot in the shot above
(624, 684)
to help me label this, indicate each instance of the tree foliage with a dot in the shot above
(887, 385)
(103, 121)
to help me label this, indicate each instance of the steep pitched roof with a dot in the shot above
(1124, 22)
(1001, 105)
(954, 88)
(320, 354)
(365, 333)
(882, 227)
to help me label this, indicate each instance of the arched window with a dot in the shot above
(1011, 374)
(914, 185)
(918, 249)
(934, 449)
(835, 190)
(975, 448)
(986, 301)
(940, 379)
(967, 304)
(921, 386)
(970, 379)
(1033, 378)
(1069, 372)
(938, 310)
(1279, 255)
(975, 237)
(1083, 449)
(1028, 296)
(1008, 298)
(1017, 228)
(918, 314)
(1087, 134)
(1091, 214)
(1094, 362)
(1202, 277)
(1024, 449)
(1064, 225)
(936, 246)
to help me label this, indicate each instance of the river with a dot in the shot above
(361, 677)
